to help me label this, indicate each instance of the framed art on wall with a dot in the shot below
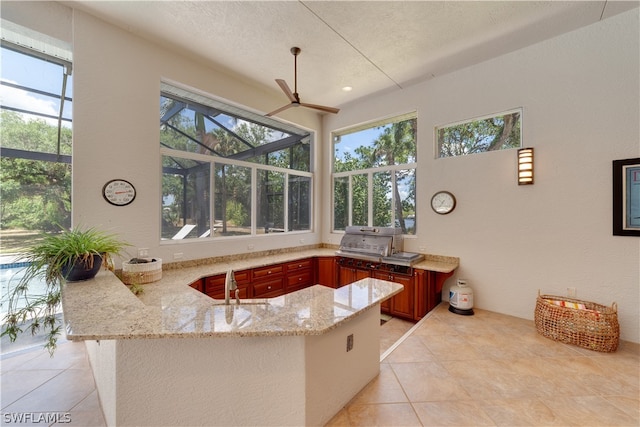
(626, 197)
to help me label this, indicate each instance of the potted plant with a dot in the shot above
(71, 255)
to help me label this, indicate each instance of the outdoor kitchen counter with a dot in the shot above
(104, 308)
(296, 359)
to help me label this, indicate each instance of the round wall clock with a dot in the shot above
(119, 192)
(443, 202)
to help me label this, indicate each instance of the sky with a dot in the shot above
(37, 74)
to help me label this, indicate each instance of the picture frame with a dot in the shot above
(626, 197)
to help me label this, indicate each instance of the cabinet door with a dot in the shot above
(299, 275)
(348, 275)
(197, 285)
(327, 271)
(269, 287)
(214, 285)
(402, 304)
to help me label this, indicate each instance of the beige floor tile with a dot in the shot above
(452, 413)
(388, 414)
(59, 394)
(428, 382)
(412, 349)
(589, 411)
(17, 384)
(520, 412)
(628, 405)
(385, 388)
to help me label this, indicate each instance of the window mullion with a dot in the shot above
(370, 199)
(350, 201)
(254, 200)
(285, 202)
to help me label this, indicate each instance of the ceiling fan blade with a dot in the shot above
(321, 108)
(279, 110)
(285, 88)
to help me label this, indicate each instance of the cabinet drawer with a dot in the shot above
(299, 280)
(214, 285)
(270, 270)
(268, 287)
(303, 264)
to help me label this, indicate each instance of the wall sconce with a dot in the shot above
(525, 166)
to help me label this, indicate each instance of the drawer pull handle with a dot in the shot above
(268, 287)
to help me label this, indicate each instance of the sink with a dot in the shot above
(262, 301)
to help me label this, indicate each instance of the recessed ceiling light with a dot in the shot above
(347, 88)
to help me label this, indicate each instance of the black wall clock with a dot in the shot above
(119, 192)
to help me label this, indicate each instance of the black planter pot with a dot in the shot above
(75, 272)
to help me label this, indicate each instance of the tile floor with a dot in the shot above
(487, 370)
(495, 370)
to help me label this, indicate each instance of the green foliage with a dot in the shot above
(237, 214)
(394, 145)
(36, 195)
(45, 261)
(477, 136)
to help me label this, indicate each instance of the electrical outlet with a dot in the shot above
(350, 342)
(143, 252)
(250, 247)
(572, 292)
(301, 240)
(422, 249)
(178, 255)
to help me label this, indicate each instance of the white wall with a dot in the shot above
(116, 134)
(580, 95)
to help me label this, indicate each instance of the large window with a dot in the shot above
(374, 175)
(35, 115)
(496, 132)
(229, 172)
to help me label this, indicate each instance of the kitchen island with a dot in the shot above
(174, 356)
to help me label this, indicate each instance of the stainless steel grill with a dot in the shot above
(376, 244)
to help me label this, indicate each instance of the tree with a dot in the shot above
(36, 194)
(394, 145)
(495, 133)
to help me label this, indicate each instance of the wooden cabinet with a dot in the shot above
(299, 275)
(402, 304)
(197, 285)
(268, 281)
(326, 271)
(421, 294)
(348, 274)
(214, 285)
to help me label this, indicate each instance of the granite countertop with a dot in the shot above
(104, 308)
(190, 271)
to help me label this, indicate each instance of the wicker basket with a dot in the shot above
(582, 323)
(141, 273)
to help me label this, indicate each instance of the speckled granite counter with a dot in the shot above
(103, 308)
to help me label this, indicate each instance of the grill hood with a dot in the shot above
(371, 242)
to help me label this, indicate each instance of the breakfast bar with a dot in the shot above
(174, 356)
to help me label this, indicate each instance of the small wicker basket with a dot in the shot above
(136, 274)
(582, 323)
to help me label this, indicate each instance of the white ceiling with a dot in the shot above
(372, 46)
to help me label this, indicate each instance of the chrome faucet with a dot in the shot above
(230, 284)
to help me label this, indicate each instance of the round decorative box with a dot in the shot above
(138, 272)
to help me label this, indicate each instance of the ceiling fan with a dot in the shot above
(293, 96)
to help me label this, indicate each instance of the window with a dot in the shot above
(229, 172)
(498, 132)
(374, 175)
(35, 169)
